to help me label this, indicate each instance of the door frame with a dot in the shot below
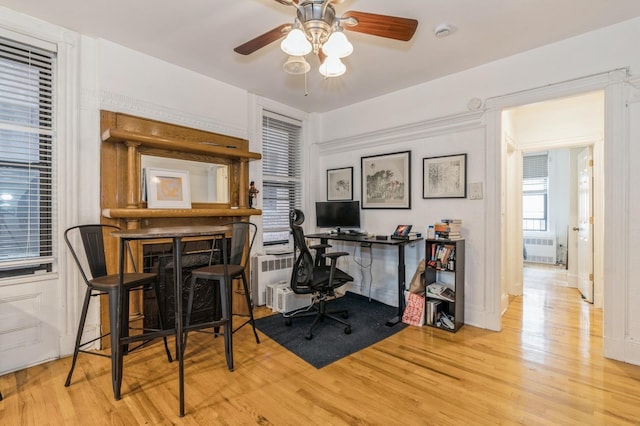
(614, 153)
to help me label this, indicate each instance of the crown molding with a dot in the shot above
(117, 102)
(404, 133)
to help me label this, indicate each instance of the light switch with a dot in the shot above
(475, 191)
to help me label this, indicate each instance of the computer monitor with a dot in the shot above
(338, 214)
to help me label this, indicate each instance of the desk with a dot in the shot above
(176, 233)
(390, 242)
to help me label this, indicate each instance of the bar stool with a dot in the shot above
(86, 244)
(223, 274)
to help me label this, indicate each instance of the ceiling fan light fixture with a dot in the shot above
(296, 43)
(332, 67)
(337, 45)
(296, 65)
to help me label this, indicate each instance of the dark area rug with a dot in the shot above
(330, 343)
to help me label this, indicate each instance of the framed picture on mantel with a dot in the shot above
(386, 181)
(167, 189)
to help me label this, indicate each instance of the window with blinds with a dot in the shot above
(535, 184)
(26, 158)
(281, 174)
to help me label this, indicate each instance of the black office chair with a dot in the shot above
(242, 232)
(86, 244)
(310, 276)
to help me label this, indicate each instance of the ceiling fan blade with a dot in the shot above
(381, 25)
(287, 2)
(262, 40)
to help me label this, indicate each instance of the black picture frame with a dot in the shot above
(386, 181)
(340, 184)
(444, 176)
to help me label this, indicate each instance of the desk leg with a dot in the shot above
(401, 285)
(177, 267)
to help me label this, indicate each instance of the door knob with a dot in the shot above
(576, 228)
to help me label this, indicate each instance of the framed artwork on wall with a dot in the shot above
(167, 189)
(340, 184)
(386, 181)
(445, 176)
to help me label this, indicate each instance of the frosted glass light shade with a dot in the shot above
(296, 43)
(338, 45)
(332, 67)
(296, 65)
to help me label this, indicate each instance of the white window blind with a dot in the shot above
(535, 183)
(26, 157)
(281, 174)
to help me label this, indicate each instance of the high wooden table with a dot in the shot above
(176, 234)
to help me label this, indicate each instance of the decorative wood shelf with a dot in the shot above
(179, 145)
(125, 213)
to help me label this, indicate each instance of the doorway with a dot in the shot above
(564, 125)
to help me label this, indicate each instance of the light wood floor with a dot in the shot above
(544, 367)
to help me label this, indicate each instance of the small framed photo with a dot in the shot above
(340, 184)
(386, 181)
(444, 177)
(167, 189)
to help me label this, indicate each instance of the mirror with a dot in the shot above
(209, 182)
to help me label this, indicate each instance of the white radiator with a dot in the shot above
(268, 269)
(541, 249)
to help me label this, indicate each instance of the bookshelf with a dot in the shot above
(444, 305)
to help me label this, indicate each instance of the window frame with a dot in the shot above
(276, 180)
(20, 130)
(536, 175)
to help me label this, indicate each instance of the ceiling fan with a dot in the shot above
(318, 29)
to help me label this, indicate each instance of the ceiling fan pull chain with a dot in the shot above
(305, 84)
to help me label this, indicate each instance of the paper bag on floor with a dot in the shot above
(417, 285)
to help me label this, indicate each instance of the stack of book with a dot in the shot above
(448, 229)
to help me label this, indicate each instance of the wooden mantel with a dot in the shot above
(125, 138)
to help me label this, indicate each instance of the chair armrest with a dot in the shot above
(335, 254)
(320, 246)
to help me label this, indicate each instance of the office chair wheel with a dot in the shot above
(287, 322)
(309, 336)
(347, 330)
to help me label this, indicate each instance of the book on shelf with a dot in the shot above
(451, 220)
(448, 229)
(441, 291)
(431, 314)
(442, 256)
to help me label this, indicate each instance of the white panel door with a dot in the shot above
(585, 224)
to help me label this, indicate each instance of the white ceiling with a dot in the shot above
(200, 35)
